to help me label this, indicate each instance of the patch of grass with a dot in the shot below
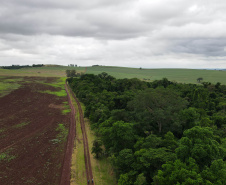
(66, 109)
(8, 85)
(21, 125)
(58, 84)
(61, 136)
(2, 130)
(57, 93)
(78, 172)
(6, 157)
(62, 133)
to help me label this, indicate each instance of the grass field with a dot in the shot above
(178, 75)
(46, 71)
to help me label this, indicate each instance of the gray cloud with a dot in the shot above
(163, 33)
(207, 47)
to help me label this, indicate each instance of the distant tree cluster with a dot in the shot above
(72, 73)
(37, 65)
(21, 66)
(158, 132)
(72, 65)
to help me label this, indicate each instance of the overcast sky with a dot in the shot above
(132, 33)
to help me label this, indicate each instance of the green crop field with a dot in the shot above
(46, 71)
(178, 75)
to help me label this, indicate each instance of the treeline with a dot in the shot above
(73, 73)
(157, 132)
(21, 66)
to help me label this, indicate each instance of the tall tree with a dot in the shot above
(96, 149)
(200, 144)
(178, 173)
(199, 79)
(122, 136)
(159, 105)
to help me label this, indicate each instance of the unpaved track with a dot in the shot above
(89, 173)
(66, 175)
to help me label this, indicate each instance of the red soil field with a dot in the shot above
(29, 152)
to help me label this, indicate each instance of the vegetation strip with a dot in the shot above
(89, 173)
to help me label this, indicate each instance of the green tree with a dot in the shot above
(189, 118)
(215, 175)
(124, 161)
(124, 180)
(160, 105)
(68, 73)
(104, 131)
(121, 136)
(169, 141)
(150, 160)
(200, 144)
(141, 180)
(178, 173)
(73, 73)
(152, 141)
(97, 149)
(199, 79)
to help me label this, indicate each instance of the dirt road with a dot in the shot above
(89, 173)
(65, 175)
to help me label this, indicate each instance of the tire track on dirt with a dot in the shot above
(89, 173)
(66, 169)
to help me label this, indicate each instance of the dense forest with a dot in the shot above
(157, 132)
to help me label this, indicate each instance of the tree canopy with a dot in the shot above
(158, 132)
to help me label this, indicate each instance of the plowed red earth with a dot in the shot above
(28, 122)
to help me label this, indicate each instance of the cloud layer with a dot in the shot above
(135, 33)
